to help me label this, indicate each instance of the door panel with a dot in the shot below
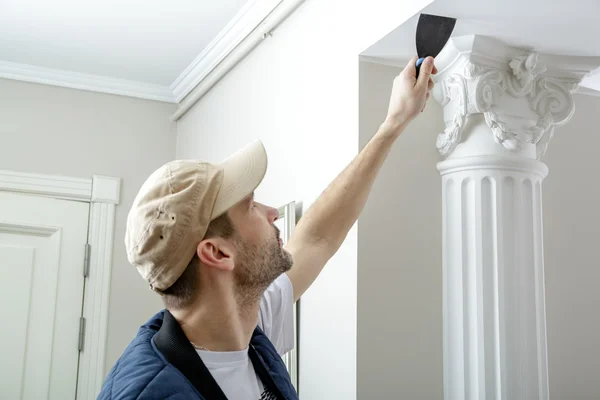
(41, 263)
(16, 301)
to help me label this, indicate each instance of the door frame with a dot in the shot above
(102, 192)
(289, 217)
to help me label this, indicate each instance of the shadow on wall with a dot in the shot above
(399, 333)
(571, 236)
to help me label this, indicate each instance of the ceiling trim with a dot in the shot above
(246, 21)
(77, 80)
(242, 24)
(387, 61)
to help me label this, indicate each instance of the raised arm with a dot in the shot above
(324, 227)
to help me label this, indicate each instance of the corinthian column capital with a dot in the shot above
(522, 95)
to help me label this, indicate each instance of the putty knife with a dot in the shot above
(433, 32)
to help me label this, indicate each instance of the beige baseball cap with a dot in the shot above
(171, 213)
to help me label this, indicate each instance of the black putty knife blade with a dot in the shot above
(433, 32)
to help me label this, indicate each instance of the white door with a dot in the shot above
(42, 246)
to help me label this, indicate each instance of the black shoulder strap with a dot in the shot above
(262, 372)
(177, 349)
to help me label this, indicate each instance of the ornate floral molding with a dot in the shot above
(479, 89)
(521, 94)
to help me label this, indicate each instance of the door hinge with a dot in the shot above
(86, 260)
(81, 333)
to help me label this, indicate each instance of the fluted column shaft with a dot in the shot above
(493, 274)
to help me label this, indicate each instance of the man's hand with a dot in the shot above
(322, 230)
(409, 94)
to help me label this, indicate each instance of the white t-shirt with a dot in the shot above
(233, 370)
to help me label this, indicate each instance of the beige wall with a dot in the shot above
(52, 130)
(399, 256)
(572, 264)
(399, 337)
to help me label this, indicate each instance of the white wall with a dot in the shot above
(52, 130)
(399, 255)
(572, 264)
(298, 92)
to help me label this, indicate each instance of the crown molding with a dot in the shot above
(77, 80)
(246, 21)
(242, 24)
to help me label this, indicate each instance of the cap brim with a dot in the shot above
(243, 171)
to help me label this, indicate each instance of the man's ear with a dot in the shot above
(216, 253)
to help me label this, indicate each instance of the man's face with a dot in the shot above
(260, 257)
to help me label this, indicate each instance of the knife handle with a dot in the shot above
(418, 65)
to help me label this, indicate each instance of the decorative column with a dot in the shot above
(501, 105)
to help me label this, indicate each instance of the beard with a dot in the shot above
(259, 266)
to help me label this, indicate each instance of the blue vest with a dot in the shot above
(161, 363)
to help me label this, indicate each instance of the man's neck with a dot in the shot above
(218, 324)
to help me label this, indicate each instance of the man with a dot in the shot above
(197, 236)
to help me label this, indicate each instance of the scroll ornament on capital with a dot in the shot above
(478, 88)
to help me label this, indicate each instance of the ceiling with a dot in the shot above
(146, 41)
(555, 27)
(158, 49)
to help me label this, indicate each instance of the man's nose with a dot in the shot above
(272, 214)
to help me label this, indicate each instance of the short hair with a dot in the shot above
(185, 289)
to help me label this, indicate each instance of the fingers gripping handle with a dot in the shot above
(418, 65)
